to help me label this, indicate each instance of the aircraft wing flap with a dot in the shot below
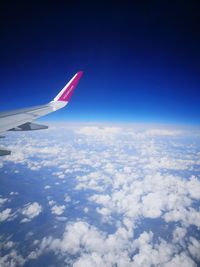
(4, 152)
(29, 126)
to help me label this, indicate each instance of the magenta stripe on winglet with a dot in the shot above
(69, 89)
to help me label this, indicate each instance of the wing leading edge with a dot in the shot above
(21, 119)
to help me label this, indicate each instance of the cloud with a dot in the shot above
(12, 259)
(7, 245)
(30, 211)
(47, 187)
(179, 235)
(163, 132)
(67, 198)
(193, 187)
(100, 199)
(14, 193)
(94, 131)
(124, 182)
(90, 260)
(3, 201)
(182, 260)
(58, 210)
(187, 216)
(86, 210)
(51, 202)
(90, 246)
(59, 174)
(194, 248)
(5, 214)
(152, 205)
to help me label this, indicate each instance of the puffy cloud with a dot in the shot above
(151, 254)
(90, 260)
(7, 245)
(58, 210)
(90, 247)
(52, 202)
(86, 210)
(179, 234)
(30, 211)
(47, 187)
(194, 248)
(187, 216)
(104, 211)
(12, 259)
(94, 245)
(132, 180)
(182, 260)
(193, 187)
(3, 200)
(67, 198)
(5, 214)
(152, 205)
(101, 199)
(59, 174)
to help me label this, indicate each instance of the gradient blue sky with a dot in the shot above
(141, 61)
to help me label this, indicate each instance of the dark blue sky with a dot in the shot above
(141, 61)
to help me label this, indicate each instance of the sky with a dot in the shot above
(141, 60)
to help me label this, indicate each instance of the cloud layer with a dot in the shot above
(123, 196)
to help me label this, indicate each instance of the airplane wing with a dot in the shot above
(21, 119)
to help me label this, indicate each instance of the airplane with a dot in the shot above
(21, 119)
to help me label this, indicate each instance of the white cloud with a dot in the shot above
(179, 234)
(3, 200)
(152, 205)
(182, 260)
(47, 187)
(90, 260)
(51, 202)
(193, 187)
(7, 245)
(163, 132)
(59, 174)
(86, 210)
(67, 198)
(103, 211)
(12, 259)
(100, 199)
(103, 132)
(187, 216)
(30, 211)
(58, 210)
(90, 247)
(194, 248)
(129, 176)
(14, 193)
(5, 214)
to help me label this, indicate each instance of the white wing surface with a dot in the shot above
(21, 119)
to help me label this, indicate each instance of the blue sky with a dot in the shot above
(140, 61)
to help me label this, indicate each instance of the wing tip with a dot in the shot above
(66, 93)
(80, 72)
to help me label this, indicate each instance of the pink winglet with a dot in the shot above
(68, 90)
